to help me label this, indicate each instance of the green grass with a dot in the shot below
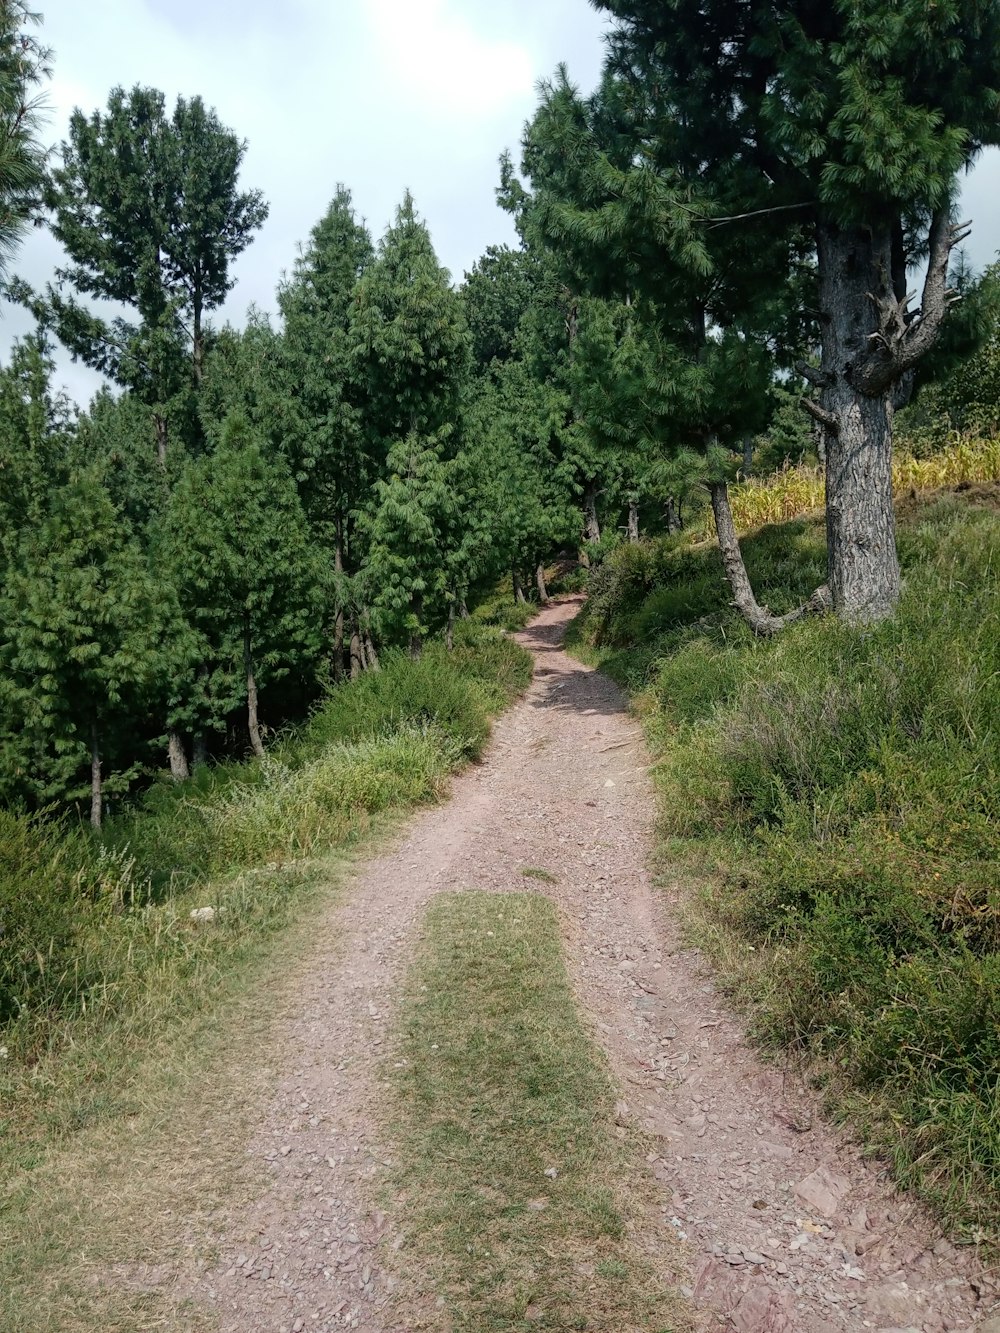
(539, 873)
(840, 790)
(521, 1200)
(111, 994)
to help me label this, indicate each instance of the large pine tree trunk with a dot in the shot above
(96, 793)
(591, 523)
(855, 270)
(633, 519)
(178, 759)
(540, 584)
(253, 724)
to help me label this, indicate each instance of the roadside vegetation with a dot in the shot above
(522, 1202)
(839, 789)
(107, 982)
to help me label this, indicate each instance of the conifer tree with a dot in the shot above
(235, 545)
(723, 127)
(24, 66)
(325, 443)
(79, 635)
(410, 352)
(149, 210)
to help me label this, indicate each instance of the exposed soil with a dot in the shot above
(788, 1230)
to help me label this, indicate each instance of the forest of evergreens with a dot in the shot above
(712, 280)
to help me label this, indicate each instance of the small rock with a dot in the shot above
(298, 1326)
(552, 1172)
(822, 1191)
(202, 914)
(752, 1257)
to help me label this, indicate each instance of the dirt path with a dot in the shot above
(789, 1231)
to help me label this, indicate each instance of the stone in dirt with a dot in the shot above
(762, 1310)
(823, 1191)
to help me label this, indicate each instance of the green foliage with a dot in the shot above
(235, 545)
(24, 65)
(845, 783)
(80, 618)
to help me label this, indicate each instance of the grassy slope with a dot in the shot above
(495, 1085)
(841, 791)
(120, 1027)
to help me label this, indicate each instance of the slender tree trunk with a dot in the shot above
(96, 794)
(338, 622)
(543, 592)
(519, 597)
(758, 617)
(855, 268)
(463, 610)
(160, 423)
(449, 636)
(748, 455)
(357, 655)
(253, 725)
(416, 635)
(591, 523)
(672, 515)
(370, 655)
(178, 759)
(633, 519)
(199, 750)
(198, 342)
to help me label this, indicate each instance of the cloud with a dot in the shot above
(436, 59)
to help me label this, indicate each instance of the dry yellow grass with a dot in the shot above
(800, 490)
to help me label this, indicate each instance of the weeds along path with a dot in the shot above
(786, 1229)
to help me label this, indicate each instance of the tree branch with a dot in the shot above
(758, 617)
(819, 379)
(902, 338)
(824, 417)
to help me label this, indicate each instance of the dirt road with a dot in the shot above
(789, 1232)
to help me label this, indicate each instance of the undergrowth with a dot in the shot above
(99, 953)
(841, 787)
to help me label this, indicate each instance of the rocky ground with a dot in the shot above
(786, 1228)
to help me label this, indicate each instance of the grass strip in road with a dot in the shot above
(524, 1205)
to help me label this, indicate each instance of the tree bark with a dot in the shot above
(672, 515)
(519, 597)
(758, 617)
(253, 725)
(357, 654)
(338, 622)
(370, 655)
(178, 759)
(543, 592)
(633, 519)
(96, 793)
(416, 635)
(591, 523)
(463, 610)
(198, 343)
(748, 455)
(449, 635)
(160, 423)
(855, 269)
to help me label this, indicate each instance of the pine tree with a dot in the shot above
(79, 633)
(724, 127)
(325, 443)
(149, 210)
(235, 545)
(24, 66)
(410, 354)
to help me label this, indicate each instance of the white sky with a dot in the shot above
(383, 95)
